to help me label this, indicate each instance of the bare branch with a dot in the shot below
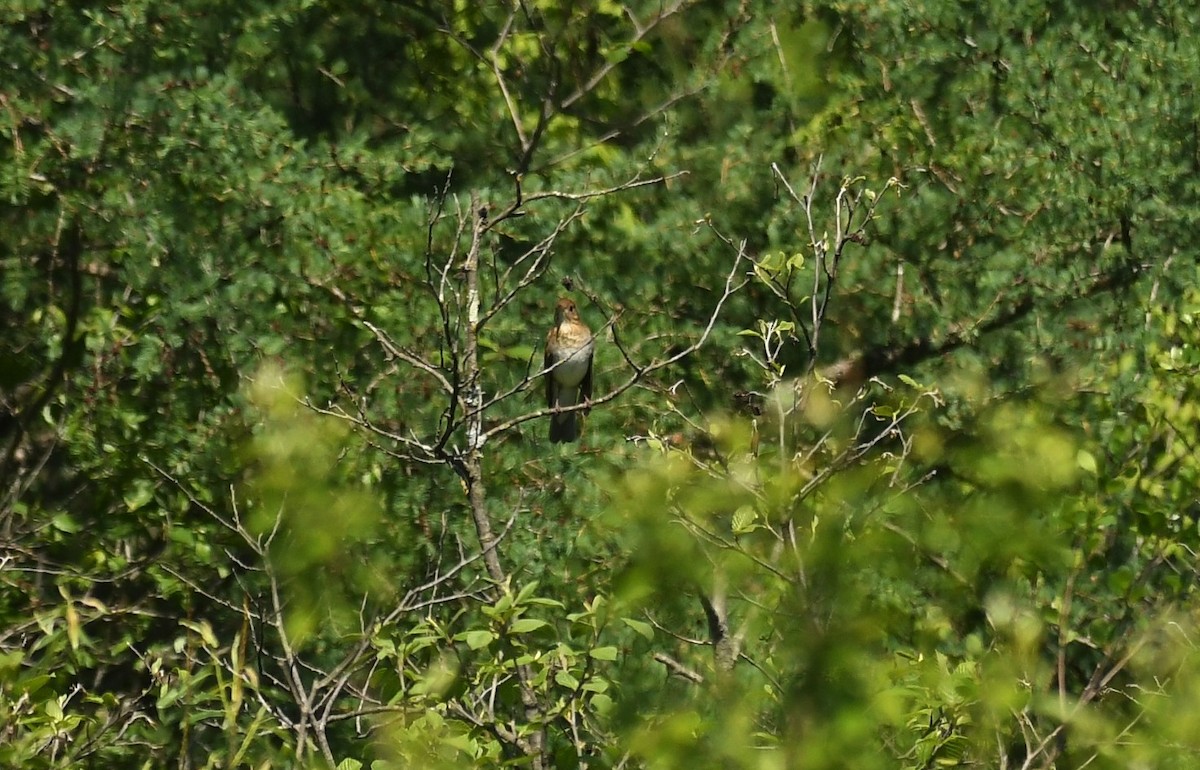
(732, 285)
(677, 668)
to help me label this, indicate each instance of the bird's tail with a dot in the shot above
(565, 427)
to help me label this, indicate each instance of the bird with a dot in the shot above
(568, 365)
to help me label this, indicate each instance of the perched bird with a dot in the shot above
(569, 347)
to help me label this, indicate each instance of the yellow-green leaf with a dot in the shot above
(603, 653)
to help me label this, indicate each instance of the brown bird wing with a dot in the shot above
(547, 362)
(585, 387)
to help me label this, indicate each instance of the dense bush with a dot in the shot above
(891, 458)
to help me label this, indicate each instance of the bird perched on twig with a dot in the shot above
(568, 364)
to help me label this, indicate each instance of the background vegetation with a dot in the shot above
(892, 458)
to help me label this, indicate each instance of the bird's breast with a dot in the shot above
(571, 371)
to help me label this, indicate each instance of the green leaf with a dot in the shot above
(167, 696)
(743, 520)
(525, 625)
(204, 629)
(45, 621)
(603, 653)
(10, 662)
(642, 627)
(602, 703)
(1087, 461)
(526, 592)
(565, 679)
(384, 648)
(73, 626)
(478, 639)
(349, 764)
(463, 743)
(64, 523)
(139, 496)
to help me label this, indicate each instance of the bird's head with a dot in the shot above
(564, 310)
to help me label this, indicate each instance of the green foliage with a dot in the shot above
(886, 623)
(276, 278)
